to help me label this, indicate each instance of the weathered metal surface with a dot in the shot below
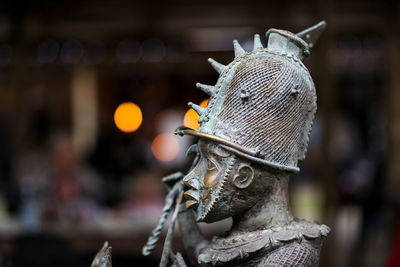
(252, 134)
(261, 110)
(103, 257)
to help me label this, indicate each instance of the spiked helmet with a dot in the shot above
(263, 104)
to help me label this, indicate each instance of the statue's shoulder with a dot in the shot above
(248, 246)
(293, 254)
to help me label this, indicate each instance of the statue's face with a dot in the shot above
(215, 182)
(205, 180)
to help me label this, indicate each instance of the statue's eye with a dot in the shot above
(210, 165)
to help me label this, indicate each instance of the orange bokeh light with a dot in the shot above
(128, 117)
(165, 147)
(191, 117)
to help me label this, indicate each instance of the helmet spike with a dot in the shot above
(199, 110)
(311, 35)
(217, 66)
(257, 42)
(238, 49)
(208, 89)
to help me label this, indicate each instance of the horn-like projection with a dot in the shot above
(208, 89)
(217, 66)
(311, 35)
(199, 110)
(257, 42)
(238, 49)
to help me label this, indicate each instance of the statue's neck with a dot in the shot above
(272, 211)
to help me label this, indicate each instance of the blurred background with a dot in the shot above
(91, 91)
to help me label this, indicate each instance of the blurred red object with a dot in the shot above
(394, 256)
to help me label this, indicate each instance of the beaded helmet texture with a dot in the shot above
(263, 104)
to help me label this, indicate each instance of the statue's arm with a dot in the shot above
(193, 239)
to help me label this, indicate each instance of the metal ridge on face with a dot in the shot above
(235, 148)
(262, 161)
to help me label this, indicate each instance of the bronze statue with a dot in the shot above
(252, 134)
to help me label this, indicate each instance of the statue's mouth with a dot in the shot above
(192, 199)
(192, 195)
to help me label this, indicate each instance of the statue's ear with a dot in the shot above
(244, 178)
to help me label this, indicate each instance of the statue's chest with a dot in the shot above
(248, 249)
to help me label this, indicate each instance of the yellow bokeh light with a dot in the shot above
(165, 147)
(191, 117)
(204, 103)
(128, 117)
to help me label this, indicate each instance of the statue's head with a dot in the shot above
(223, 184)
(256, 125)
